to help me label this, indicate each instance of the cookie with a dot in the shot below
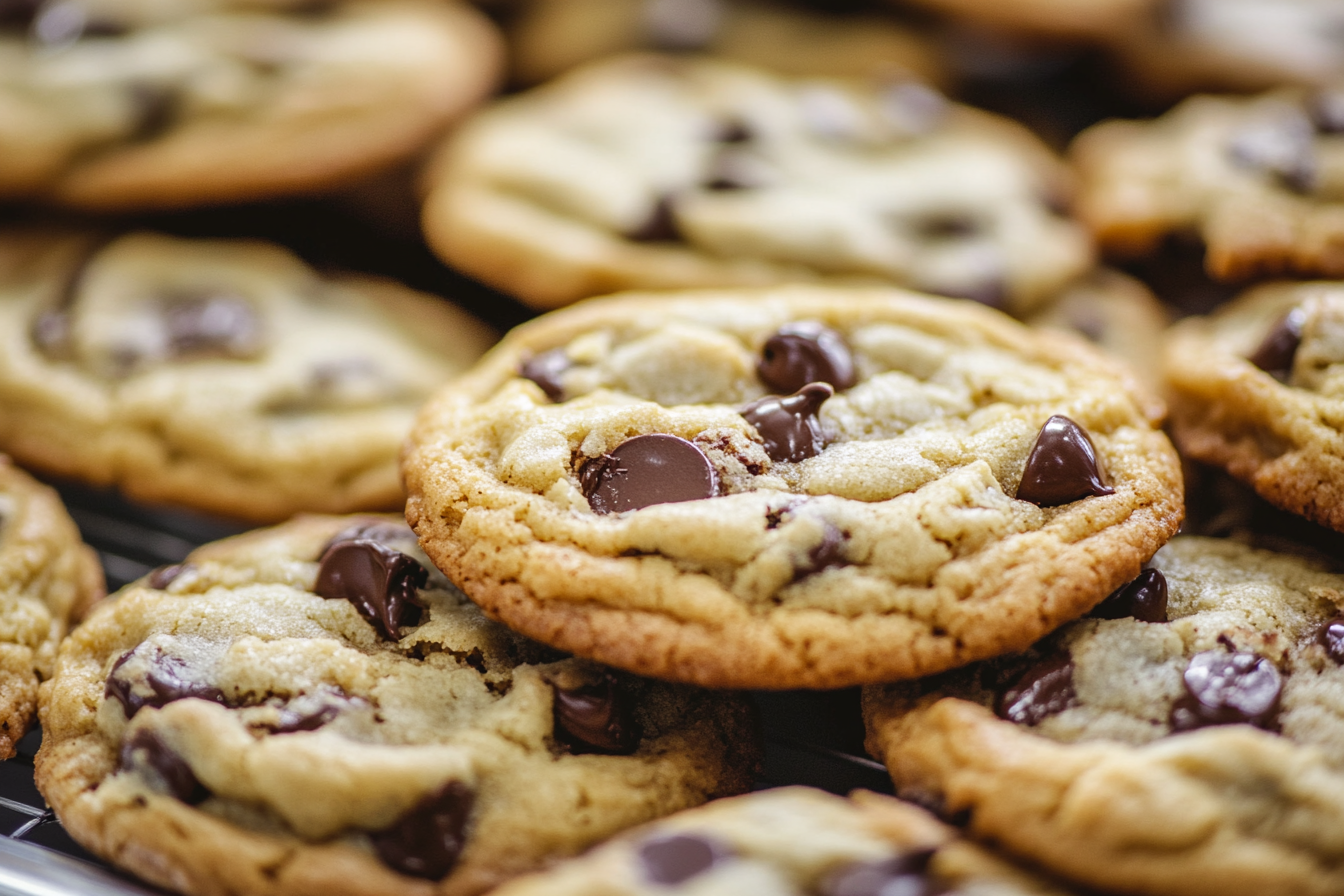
(798, 487)
(1186, 741)
(549, 37)
(1051, 19)
(668, 172)
(789, 841)
(222, 375)
(1258, 178)
(48, 579)
(313, 708)
(112, 104)
(1258, 388)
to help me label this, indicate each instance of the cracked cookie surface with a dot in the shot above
(1188, 739)
(245, 722)
(862, 529)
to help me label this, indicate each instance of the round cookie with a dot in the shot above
(1258, 389)
(114, 104)
(618, 480)
(668, 172)
(791, 841)
(227, 376)
(48, 579)
(258, 720)
(1187, 741)
(1259, 179)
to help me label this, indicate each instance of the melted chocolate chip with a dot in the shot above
(380, 582)
(789, 426)
(660, 226)
(1042, 691)
(291, 721)
(546, 369)
(146, 750)
(1331, 637)
(156, 109)
(802, 353)
(947, 226)
(1227, 689)
(825, 554)
(394, 535)
(1282, 146)
(1276, 352)
(648, 470)
(164, 576)
(427, 841)
(682, 25)
(732, 131)
(1144, 599)
(678, 858)
(18, 13)
(218, 323)
(1326, 108)
(169, 678)
(1062, 467)
(906, 875)
(596, 719)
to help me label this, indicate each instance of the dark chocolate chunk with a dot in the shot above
(156, 108)
(903, 875)
(678, 858)
(427, 841)
(648, 470)
(789, 425)
(1062, 467)
(1228, 689)
(682, 25)
(1331, 637)
(913, 109)
(546, 369)
(216, 323)
(1281, 145)
(146, 750)
(660, 226)
(1042, 691)
(1276, 352)
(596, 719)
(18, 13)
(805, 352)
(169, 678)
(381, 582)
(309, 712)
(825, 554)
(164, 576)
(1144, 599)
(732, 131)
(947, 226)
(1326, 108)
(389, 534)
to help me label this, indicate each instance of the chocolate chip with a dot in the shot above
(546, 369)
(825, 554)
(660, 226)
(682, 25)
(802, 353)
(903, 875)
(1227, 689)
(913, 109)
(1331, 637)
(164, 576)
(1042, 691)
(947, 226)
(1326, 108)
(1281, 145)
(789, 425)
(732, 131)
(169, 678)
(648, 470)
(1062, 467)
(309, 712)
(1276, 351)
(380, 582)
(214, 323)
(426, 841)
(1144, 599)
(394, 535)
(596, 719)
(146, 750)
(156, 109)
(678, 858)
(18, 13)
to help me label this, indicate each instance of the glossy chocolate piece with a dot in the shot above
(427, 841)
(1276, 351)
(678, 858)
(1144, 599)
(660, 226)
(146, 750)
(169, 678)
(597, 719)
(390, 534)
(903, 875)
(1331, 637)
(789, 425)
(802, 353)
(648, 470)
(545, 370)
(217, 323)
(291, 721)
(379, 581)
(1326, 108)
(1042, 691)
(1062, 467)
(825, 554)
(947, 226)
(1225, 688)
(1282, 146)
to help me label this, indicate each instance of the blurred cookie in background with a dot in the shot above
(111, 104)
(227, 376)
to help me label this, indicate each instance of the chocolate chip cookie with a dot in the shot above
(668, 172)
(48, 579)
(227, 376)
(1257, 178)
(1186, 740)
(313, 708)
(798, 487)
(113, 104)
(1258, 389)
(790, 841)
